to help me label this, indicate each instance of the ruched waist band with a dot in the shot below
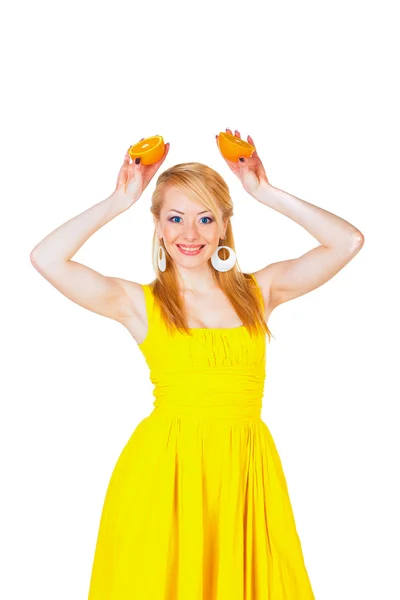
(210, 393)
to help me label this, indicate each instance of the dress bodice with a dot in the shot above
(210, 368)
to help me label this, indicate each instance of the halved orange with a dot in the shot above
(232, 147)
(150, 150)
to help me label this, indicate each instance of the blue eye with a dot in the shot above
(176, 217)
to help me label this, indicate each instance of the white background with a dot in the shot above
(314, 84)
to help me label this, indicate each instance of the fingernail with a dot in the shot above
(241, 159)
(137, 160)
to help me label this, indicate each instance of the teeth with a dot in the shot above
(190, 249)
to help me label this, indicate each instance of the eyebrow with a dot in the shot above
(181, 213)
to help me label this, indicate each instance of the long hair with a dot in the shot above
(205, 186)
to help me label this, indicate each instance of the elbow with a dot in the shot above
(35, 260)
(32, 256)
(356, 244)
(357, 240)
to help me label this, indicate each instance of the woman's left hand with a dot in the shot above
(251, 171)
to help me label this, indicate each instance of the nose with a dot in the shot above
(191, 234)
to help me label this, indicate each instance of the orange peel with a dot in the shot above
(232, 147)
(150, 150)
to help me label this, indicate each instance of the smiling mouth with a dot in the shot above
(190, 249)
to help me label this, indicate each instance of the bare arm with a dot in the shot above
(339, 241)
(107, 296)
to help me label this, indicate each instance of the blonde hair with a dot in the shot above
(205, 186)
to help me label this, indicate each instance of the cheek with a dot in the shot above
(210, 233)
(214, 236)
(170, 231)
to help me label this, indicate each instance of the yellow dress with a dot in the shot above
(197, 507)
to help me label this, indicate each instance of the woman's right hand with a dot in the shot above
(133, 178)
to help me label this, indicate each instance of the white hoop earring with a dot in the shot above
(223, 265)
(162, 261)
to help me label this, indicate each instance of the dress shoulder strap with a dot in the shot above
(148, 293)
(149, 300)
(260, 296)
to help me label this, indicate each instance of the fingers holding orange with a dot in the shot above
(232, 146)
(251, 141)
(237, 133)
(166, 150)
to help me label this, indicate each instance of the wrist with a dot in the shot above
(121, 200)
(263, 190)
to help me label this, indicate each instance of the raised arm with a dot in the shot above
(340, 241)
(108, 296)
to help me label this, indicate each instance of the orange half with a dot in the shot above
(150, 150)
(232, 147)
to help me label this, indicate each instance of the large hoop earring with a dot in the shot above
(162, 261)
(223, 265)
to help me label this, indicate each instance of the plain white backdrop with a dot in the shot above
(315, 85)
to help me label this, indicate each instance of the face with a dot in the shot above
(185, 223)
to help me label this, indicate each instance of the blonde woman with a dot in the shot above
(197, 506)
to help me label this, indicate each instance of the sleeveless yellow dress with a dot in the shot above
(197, 507)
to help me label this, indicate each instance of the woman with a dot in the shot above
(197, 505)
